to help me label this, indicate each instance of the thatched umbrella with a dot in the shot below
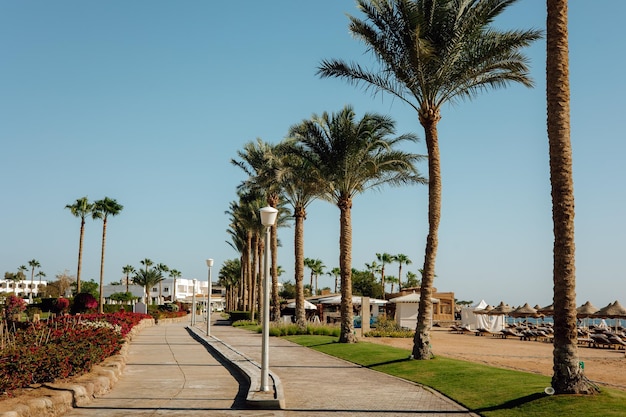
(485, 310)
(586, 310)
(546, 311)
(612, 311)
(524, 311)
(501, 310)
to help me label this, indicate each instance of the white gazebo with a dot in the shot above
(406, 309)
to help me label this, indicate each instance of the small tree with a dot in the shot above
(13, 305)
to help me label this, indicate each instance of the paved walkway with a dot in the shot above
(168, 373)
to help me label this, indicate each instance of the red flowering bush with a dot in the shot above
(63, 347)
(13, 305)
(84, 303)
(61, 305)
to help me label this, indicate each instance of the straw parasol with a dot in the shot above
(612, 311)
(586, 310)
(524, 311)
(500, 309)
(546, 311)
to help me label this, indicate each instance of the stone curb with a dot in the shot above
(251, 370)
(55, 399)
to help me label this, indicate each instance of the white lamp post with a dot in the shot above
(268, 217)
(193, 304)
(209, 263)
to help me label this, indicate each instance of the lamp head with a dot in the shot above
(268, 216)
(209, 262)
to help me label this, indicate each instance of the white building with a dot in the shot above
(22, 288)
(183, 292)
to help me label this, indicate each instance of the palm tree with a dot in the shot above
(373, 268)
(568, 377)
(34, 263)
(21, 272)
(161, 268)
(175, 274)
(81, 208)
(261, 162)
(392, 280)
(147, 263)
(383, 258)
(335, 272)
(431, 53)
(128, 269)
(300, 185)
(40, 274)
(102, 209)
(353, 156)
(401, 259)
(147, 279)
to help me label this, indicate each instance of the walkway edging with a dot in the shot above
(251, 370)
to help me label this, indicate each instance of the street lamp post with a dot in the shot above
(268, 217)
(209, 263)
(193, 304)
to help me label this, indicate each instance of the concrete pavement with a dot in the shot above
(170, 373)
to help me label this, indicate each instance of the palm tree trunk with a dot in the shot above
(345, 264)
(104, 236)
(299, 214)
(80, 254)
(399, 277)
(568, 377)
(421, 340)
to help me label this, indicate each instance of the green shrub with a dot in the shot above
(235, 316)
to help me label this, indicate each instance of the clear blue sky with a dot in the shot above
(147, 101)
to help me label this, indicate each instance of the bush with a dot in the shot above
(84, 303)
(235, 316)
(62, 347)
(13, 305)
(293, 329)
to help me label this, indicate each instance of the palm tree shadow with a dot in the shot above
(513, 403)
(372, 365)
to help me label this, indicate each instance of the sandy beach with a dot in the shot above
(603, 366)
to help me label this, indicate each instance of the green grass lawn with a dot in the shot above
(485, 390)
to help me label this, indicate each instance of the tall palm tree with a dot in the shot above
(147, 263)
(174, 274)
(260, 160)
(384, 259)
(300, 186)
(353, 156)
(102, 209)
(568, 377)
(318, 269)
(401, 259)
(430, 53)
(81, 209)
(128, 269)
(33, 263)
(40, 274)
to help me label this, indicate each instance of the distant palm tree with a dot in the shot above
(21, 273)
(147, 263)
(175, 274)
(391, 280)
(336, 272)
(351, 157)
(432, 53)
(40, 275)
(34, 263)
(384, 259)
(102, 209)
(401, 259)
(81, 209)
(148, 279)
(161, 268)
(568, 377)
(128, 269)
